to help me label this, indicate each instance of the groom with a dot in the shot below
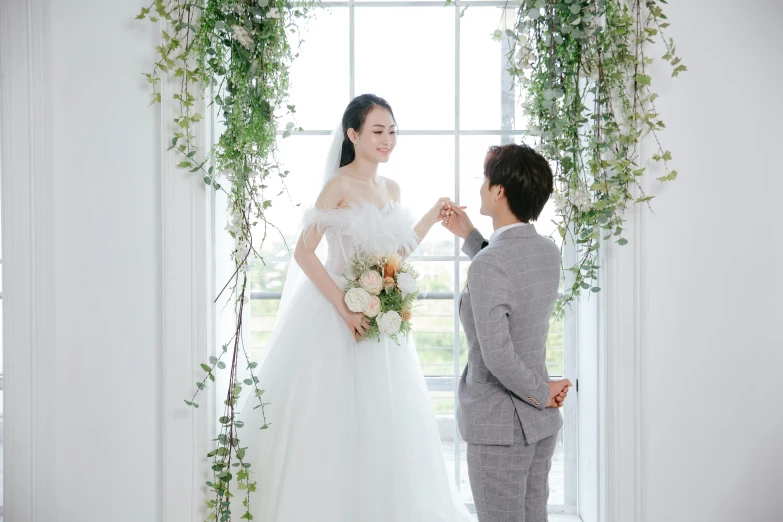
(508, 407)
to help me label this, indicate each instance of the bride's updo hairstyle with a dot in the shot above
(353, 118)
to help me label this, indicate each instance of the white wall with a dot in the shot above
(95, 431)
(107, 249)
(711, 342)
(711, 349)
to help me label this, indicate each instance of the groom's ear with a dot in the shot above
(501, 192)
(352, 136)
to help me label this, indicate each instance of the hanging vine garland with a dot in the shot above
(581, 63)
(239, 52)
(583, 68)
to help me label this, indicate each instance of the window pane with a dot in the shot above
(323, 67)
(473, 149)
(434, 276)
(407, 57)
(424, 168)
(263, 313)
(304, 157)
(481, 63)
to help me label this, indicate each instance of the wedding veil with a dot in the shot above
(295, 277)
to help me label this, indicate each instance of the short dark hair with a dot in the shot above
(353, 118)
(524, 175)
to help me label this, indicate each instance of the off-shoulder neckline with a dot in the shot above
(389, 206)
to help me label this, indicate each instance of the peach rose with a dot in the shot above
(406, 315)
(371, 281)
(374, 308)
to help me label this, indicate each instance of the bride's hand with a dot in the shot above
(434, 213)
(357, 322)
(456, 220)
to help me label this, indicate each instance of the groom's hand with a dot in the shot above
(558, 390)
(454, 218)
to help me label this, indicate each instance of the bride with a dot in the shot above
(353, 435)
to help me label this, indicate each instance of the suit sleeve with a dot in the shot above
(490, 298)
(473, 243)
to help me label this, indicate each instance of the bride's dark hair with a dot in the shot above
(353, 118)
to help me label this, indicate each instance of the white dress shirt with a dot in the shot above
(497, 232)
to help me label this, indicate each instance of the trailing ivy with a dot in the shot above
(582, 66)
(234, 54)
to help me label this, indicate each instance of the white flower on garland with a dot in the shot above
(228, 173)
(242, 36)
(274, 13)
(581, 198)
(523, 57)
(561, 202)
(235, 220)
(241, 250)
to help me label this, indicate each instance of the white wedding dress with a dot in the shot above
(353, 435)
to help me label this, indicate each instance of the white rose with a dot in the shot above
(237, 217)
(389, 323)
(406, 283)
(374, 308)
(371, 281)
(273, 13)
(357, 299)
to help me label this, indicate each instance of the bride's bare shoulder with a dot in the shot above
(392, 188)
(332, 195)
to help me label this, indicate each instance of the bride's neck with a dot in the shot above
(365, 170)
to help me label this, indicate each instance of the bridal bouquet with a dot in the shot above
(383, 289)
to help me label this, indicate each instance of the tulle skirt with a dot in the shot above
(352, 436)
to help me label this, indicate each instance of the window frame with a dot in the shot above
(507, 133)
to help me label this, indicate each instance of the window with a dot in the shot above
(445, 78)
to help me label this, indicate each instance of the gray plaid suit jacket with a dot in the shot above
(505, 310)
